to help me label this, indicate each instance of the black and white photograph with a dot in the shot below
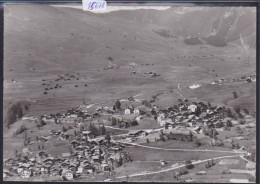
(134, 93)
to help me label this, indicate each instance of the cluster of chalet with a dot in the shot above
(248, 79)
(86, 157)
(195, 115)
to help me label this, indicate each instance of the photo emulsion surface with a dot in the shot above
(164, 94)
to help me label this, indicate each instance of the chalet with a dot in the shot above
(49, 161)
(105, 167)
(64, 136)
(163, 162)
(140, 134)
(192, 108)
(138, 118)
(26, 173)
(136, 111)
(87, 134)
(6, 173)
(127, 111)
(36, 171)
(89, 169)
(72, 168)
(80, 170)
(162, 123)
(69, 175)
(10, 161)
(74, 143)
(64, 165)
(197, 130)
(44, 170)
(42, 155)
(54, 133)
(124, 124)
(66, 154)
(168, 126)
(55, 171)
(95, 158)
(20, 169)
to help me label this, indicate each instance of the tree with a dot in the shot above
(209, 105)
(81, 128)
(113, 121)
(107, 137)
(215, 133)
(64, 129)
(196, 142)
(16, 153)
(102, 130)
(21, 129)
(191, 135)
(237, 109)
(189, 165)
(93, 129)
(134, 123)
(229, 123)
(228, 113)
(246, 110)
(118, 104)
(235, 94)
(198, 111)
(204, 131)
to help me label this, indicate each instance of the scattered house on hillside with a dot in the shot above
(26, 173)
(66, 155)
(168, 126)
(139, 134)
(89, 169)
(55, 133)
(87, 134)
(42, 155)
(80, 170)
(136, 111)
(138, 118)
(197, 130)
(163, 162)
(192, 108)
(64, 136)
(74, 144)
(127, 111)
(201, 173)
(162, 123)
(6, 173)
(69, 175)
(10, 161)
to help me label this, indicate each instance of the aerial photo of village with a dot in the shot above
(131, 95)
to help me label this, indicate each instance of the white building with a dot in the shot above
(80, 170)
(138, 118)
(136, 111)
(26, 173)
(162, 123)
(69, 175)
(127, 111)
(192, 108)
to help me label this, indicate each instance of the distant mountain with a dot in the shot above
(217, 26)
